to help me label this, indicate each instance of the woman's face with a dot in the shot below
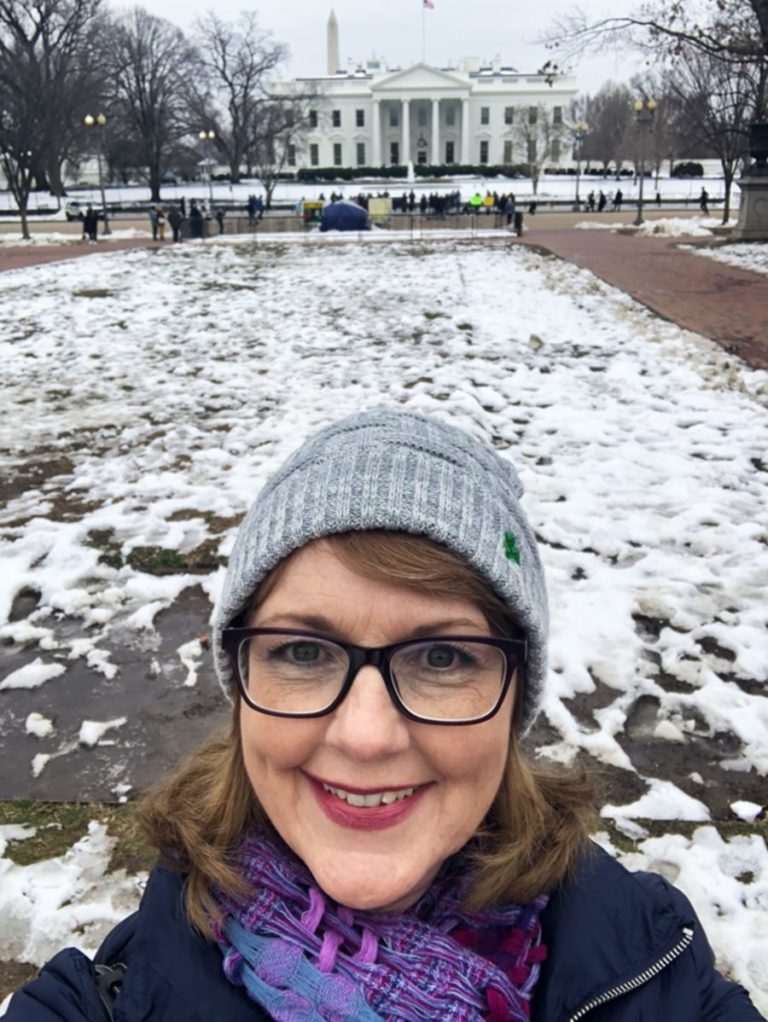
(366, 746)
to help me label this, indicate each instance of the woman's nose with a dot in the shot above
(368, 725)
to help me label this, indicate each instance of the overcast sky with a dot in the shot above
(392, 29)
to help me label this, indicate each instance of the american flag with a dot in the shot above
(429, 5)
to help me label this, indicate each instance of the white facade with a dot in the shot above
(374, 117)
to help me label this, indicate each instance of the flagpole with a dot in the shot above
(423, 30)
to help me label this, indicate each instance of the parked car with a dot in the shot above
(75, 210)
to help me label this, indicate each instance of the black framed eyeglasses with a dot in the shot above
(447, 679)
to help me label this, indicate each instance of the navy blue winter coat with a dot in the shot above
(623, 947)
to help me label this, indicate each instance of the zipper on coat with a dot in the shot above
(637, 981)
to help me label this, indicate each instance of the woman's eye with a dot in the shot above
(304, 652)
(441, 657)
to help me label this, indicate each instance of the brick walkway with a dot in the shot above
(18, 258)
(726, 304)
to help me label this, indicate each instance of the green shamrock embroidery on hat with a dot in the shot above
(510, 547)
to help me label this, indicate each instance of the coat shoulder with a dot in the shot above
(607, 929)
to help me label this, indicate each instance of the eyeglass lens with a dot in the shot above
(438, 679)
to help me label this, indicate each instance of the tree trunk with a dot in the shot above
(55, 181)
(727, 203)
(154, 181)
(24, 224)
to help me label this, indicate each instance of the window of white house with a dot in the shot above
(507, 151)
(360, 118)
(531, 150)
(557, 115)
(450, 116)
(484, 151)
(394, 153)
(313, 118)
(485, 115)
(336, 118)
(314, 154)
(509, 115)
(361, 154)
(394, 117)
(556, 149)
(533, 115)
(450, 150)
(291, 155)
(421, 116)
(337, 154)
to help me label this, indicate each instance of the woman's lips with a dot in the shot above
(367, 817)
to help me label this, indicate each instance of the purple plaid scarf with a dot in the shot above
(305, 959)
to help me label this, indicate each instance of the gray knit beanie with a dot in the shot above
(405, 472)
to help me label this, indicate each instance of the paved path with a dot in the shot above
(18, 258)
(726, 304)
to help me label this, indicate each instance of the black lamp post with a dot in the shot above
(206, 138)
(644, 111)
(98, 122)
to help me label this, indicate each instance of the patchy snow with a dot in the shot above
(732, 907)
(38, 725)
(72, 899)
(744, 255)
(32, 675)
(747, 811)
(674, 227)
(92, 731)
(663, 801)
(157, 391)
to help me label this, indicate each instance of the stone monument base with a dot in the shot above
(753, 213)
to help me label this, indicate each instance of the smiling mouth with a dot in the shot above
(370, 801)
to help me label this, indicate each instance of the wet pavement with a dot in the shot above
(165, 718)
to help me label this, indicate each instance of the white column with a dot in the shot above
(376, 130)
(465, 157)
(434, 156)
(405, 155)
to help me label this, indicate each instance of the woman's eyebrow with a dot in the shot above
(320, 623)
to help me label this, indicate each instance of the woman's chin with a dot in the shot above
(371, 889)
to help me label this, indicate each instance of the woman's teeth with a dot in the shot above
(381, 798)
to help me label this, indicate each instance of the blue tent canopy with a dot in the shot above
(344, 216)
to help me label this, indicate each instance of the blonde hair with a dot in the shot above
(535, 832)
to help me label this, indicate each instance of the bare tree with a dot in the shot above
(151, 63)
(717, 98)
(45, 75)
(237, 60)
(731, 29)
(540, 133)
(609, 116)
(281, 126)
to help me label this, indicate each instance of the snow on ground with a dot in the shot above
(167, 386)
(14, 240)
(746, 255)
(675, 227)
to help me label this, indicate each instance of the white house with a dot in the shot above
(371, 115)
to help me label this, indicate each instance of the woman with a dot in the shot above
(368, 842)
